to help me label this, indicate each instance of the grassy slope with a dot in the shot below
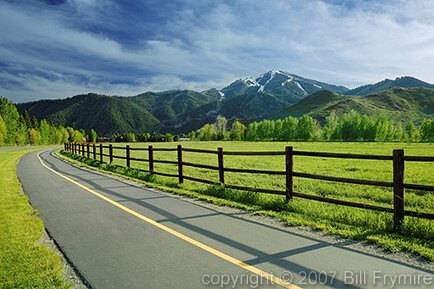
(24, 262)
(417, 235)
(310, 104)
(399, 104)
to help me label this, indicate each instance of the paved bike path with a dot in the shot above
(112, 248)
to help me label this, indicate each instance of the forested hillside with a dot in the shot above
(273, 95)
(21, 129)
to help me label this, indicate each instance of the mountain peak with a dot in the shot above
(278, 82)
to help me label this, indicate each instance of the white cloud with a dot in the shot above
(209, 45)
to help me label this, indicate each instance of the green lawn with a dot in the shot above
(417, 234)
(24, 262)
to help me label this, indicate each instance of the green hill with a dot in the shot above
(401, 104)
(110, 114)
(105, 114)
(168, 104)
(405, 81)
(310, 104)
(273, 95)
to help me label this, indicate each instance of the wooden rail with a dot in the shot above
(398, 158)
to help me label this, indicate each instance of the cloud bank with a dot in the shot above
(59, 48)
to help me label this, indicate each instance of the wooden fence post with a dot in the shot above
(88, 150)
(398, 188)
(128, 156)
(94, 151)
(111, 153)
(289, 164)
(221, 166)
(151, 159)
(100, 153)
(180, 166)
(82, 150)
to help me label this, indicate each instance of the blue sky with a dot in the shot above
(60, 48)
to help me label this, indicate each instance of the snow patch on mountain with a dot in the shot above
(301, 87)
(290, 78)
(251, 82)
(272, 74)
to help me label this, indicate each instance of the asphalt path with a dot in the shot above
(120, 234)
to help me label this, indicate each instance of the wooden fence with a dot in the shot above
(398, 158)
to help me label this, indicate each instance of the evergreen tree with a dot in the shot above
(34, 136)
(26, 118)
(45, 131)
(35, 123)
(22, 135)
(65, 134)
(92, 137)
(11, 117)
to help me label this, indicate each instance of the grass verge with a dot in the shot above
(24, 262)
(416, 237)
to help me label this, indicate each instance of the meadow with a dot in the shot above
(416, 236)
(24, 261)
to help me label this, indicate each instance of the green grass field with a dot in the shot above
(417, 234)
(24, 262)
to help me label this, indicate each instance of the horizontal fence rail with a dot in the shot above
(398, 159)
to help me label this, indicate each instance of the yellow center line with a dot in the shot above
(274, 279)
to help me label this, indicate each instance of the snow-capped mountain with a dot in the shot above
(279, 83)
(269, 95)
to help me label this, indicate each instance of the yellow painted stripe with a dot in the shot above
(230, 259)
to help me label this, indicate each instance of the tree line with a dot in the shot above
(21, 129)
(350, 126)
